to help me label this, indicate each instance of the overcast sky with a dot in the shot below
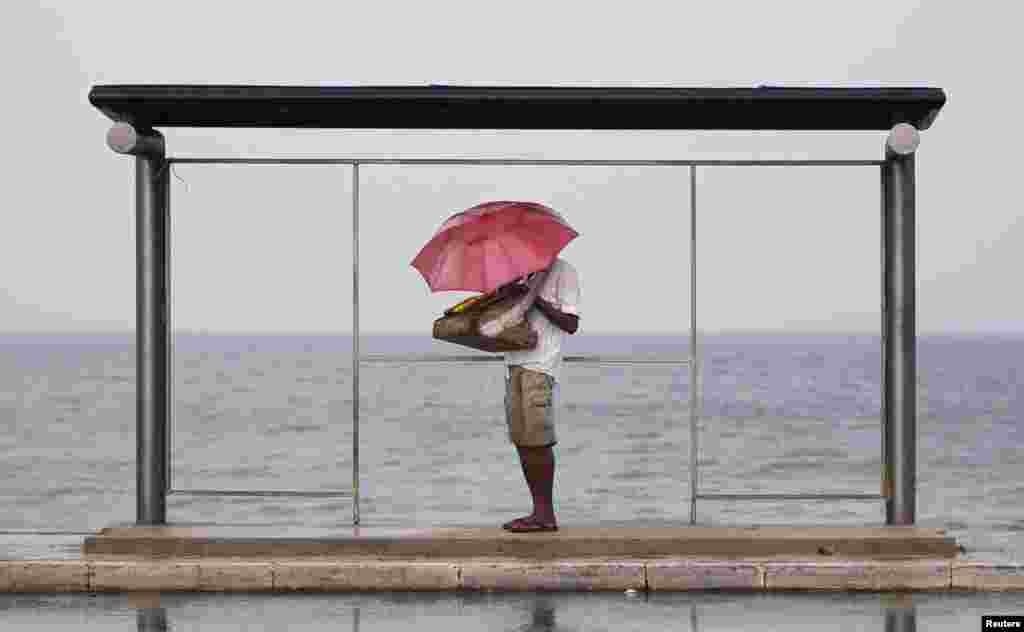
(269, 248)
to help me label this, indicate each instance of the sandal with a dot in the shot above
(528, 524)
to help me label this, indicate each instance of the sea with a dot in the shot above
(775, 413)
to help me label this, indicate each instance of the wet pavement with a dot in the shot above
(518, 612)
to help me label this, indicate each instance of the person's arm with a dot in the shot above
(501, 292)
(559, 300)
(518, 311)
(568, 323)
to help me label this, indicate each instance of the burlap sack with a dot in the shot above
(464, 328)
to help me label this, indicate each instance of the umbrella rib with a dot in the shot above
(446, 251)
(528, 245)
(505, 250)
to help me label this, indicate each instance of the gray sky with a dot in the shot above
(258, 248)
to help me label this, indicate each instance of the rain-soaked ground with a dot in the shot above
(519, 612)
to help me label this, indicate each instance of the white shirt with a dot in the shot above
(562, 289)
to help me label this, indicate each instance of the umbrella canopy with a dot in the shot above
(491, 244)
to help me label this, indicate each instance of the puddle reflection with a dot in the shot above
(899, 610)
(901, 620)
(151, 619)
(542, 617)
(506, 611)
(150, 615)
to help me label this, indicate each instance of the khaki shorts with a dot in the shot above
(530, 400)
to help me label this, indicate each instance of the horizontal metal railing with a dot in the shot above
(790, 496)
(348, 494)
(525, 162)
(589, 359)
(256, 492)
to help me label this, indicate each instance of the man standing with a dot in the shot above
(531, 388)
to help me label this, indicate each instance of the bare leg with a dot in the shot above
(539, 471)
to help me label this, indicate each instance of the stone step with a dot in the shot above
(192, 540)
(286, 575)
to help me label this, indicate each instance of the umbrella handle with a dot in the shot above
(516, 314)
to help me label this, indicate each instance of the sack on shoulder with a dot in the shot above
(463, 327)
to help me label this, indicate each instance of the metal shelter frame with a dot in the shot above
(136, 109)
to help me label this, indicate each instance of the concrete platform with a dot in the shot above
(195, 557)
(211, 541)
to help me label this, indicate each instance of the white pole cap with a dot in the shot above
(903, 139)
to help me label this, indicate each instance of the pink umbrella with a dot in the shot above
(491, 244)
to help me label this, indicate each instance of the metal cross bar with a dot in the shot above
(588, 359)
(790, 496)
(228, 492)
(528, 162)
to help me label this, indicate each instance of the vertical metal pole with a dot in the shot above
(694, 397)
(900, 302)
(151, 322)
(355, 343)
(883, 214)
(168, 324)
